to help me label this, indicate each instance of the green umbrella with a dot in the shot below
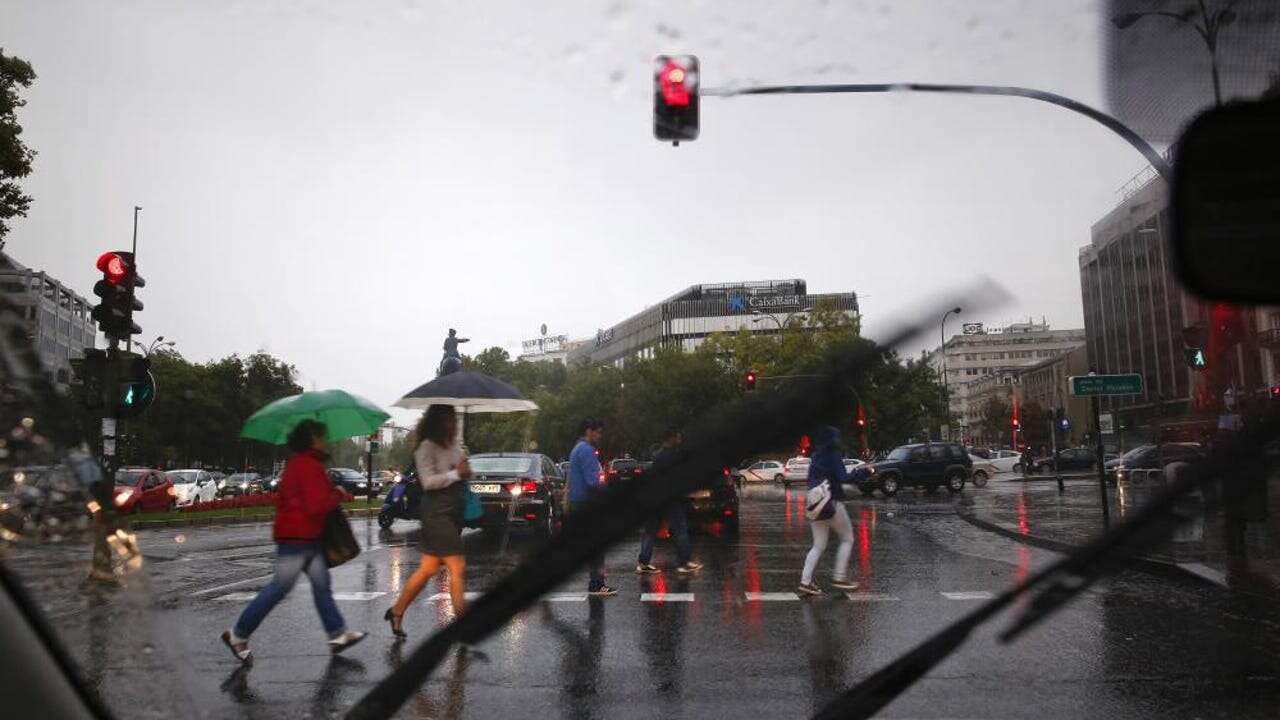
(345, 414)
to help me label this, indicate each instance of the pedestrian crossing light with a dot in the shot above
(1195, 358)
(136, 389)
(750, 380)
(675, 98)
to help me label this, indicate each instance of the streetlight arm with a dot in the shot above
(1124, 131)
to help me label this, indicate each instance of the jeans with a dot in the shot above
(679, 527)
(821, 531)
(292, 559)
(596, 563)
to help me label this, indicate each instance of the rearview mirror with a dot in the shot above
(1226, 203)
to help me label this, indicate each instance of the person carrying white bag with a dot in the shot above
(825, 509)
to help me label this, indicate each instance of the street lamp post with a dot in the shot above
(946, 394)
(761, 316)
(1207, 28)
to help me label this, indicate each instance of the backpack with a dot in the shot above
(818, 502)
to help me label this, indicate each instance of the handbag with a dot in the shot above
(818, 502)
(338, 541)
(471, 508)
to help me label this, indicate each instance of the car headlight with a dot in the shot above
(123, 496)
(361, 484)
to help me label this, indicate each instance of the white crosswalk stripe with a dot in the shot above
(666, 597)
(654, 597)
(445, 596)
(968, 595)
(870, 597)
(772, 596)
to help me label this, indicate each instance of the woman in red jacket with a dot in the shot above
(305, 496)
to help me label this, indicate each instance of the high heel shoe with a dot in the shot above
(395, 620)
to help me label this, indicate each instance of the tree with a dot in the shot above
(15, 156)
(997, 421)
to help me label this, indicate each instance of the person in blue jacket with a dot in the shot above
(827, 466)
(584, 483)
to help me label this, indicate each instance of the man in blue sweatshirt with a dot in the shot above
(584, 483)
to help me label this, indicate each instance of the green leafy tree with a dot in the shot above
(15, 157)
(996, 423)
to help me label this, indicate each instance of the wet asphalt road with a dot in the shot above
(730, 641)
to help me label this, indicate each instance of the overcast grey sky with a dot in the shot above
(339, 182)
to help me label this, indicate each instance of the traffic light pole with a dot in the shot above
(1098, 456)
(1053, 443)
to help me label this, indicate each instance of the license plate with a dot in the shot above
(487, 488)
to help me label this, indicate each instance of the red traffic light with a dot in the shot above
(672, 78)
(1275, 392)
(115, 267)
(750, 380)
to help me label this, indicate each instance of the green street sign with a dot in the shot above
(1090, 385)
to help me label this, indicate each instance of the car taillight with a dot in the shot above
(529, 487)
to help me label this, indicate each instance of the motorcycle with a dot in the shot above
(402, 502)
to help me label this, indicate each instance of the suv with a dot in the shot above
(927, 465)
(796, 470)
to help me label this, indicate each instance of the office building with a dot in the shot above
(984, 362)
(56, 317)
(688, 317)
(1046, 384)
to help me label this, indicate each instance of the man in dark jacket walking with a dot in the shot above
(827, 466)
(677, 523)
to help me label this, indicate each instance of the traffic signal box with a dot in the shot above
(675, 98)
(118, 290)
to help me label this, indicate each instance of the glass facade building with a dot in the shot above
(688, 317)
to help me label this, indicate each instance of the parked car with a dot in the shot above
(143, 490)
(382, 479)
(519, 490)
(245, 483)
(719, 503)
(1147, 462)
(983, 470)
(353, 481)
(926, 465)
(620, 466)
(795, 470)
(1005, 460)
(851, 465)
(563, 468)
(193, 486)
(760, 471)
(1068, 460)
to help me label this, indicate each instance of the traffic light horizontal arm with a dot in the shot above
(1156, 159)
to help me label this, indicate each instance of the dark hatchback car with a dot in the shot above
(1068, 460)
(717, 504)
(353, 481)
(1147, 462)
(926, 465)
(518, 490)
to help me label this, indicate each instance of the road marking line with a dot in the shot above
(666, 597)
(445, 596)
(969, 595)
(772, 596)
(363, 595)
(565, 597)
(870, 597)
(216, 588)
(1205, 572)
(240, 596)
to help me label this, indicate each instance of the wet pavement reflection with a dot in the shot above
(731, 640)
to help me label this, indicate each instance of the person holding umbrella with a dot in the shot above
(304, 497)
(442, 471)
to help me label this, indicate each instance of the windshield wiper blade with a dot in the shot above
(1063, 579)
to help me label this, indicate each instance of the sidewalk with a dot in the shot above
(1036, 514)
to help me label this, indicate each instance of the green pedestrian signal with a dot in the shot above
(135, 388)
(1195, 358)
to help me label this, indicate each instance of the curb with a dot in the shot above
(1137, 562)
(232, 519)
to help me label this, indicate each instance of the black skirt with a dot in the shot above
(442, 521)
